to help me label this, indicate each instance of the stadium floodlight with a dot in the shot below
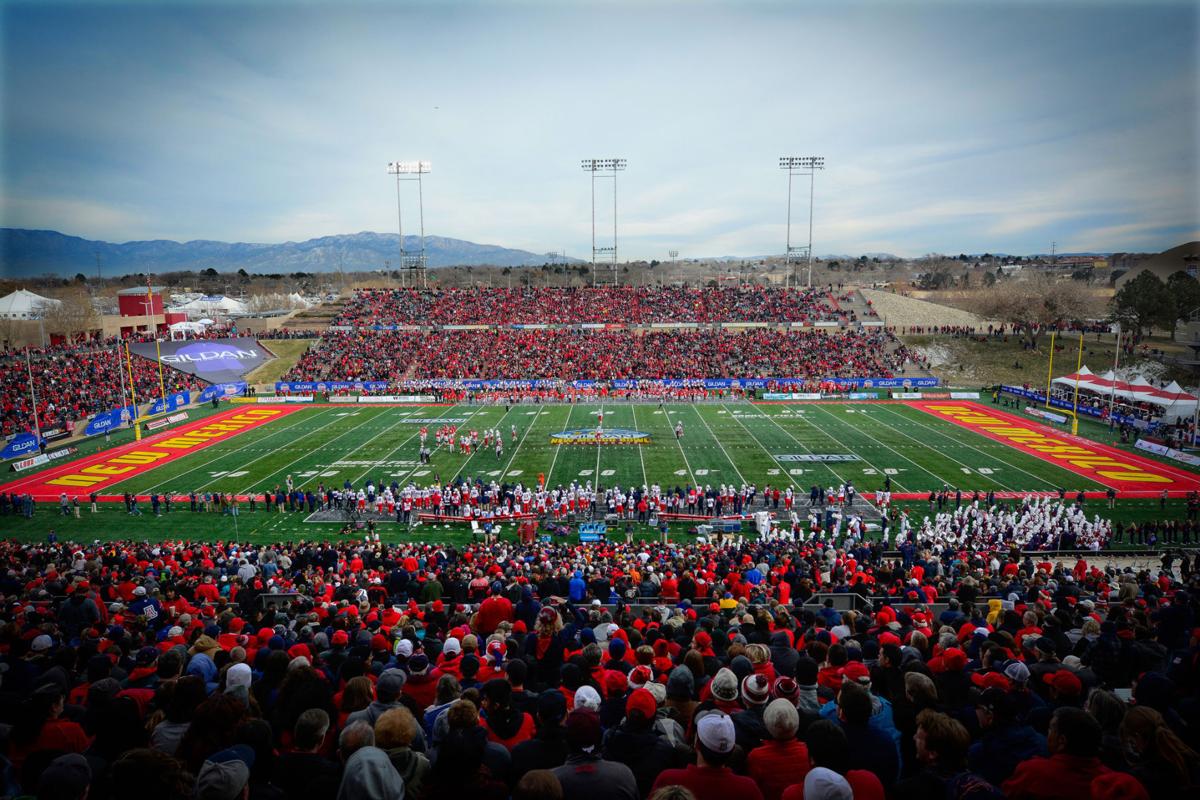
(610, 167)
(800, 165)
(415, 264)
(409, 167)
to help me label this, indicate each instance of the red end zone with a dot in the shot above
(1131, 474)
(87, 475)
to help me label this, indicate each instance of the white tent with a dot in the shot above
(22, 304)
(211, 306)
(188, 327)
(1174, 401)
(297, 300)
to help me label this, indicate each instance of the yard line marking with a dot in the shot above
(475, 453)
(944, 454)
(558, 449)
(966, 444)
(741, 477)
(894, 450)
(265, 478)
(414, 435)
(520, 443)
(438, 447)
(835, 440)
(641, 456)
(251, 443)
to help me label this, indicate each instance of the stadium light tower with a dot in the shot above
(608, 168)
(800, 165)
(415, 264)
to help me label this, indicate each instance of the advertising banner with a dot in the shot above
(109, 420)
(342, 398)
(1169, 452)
(174, 401)
(307, 398)
(213, 360)
(396, 398)
(964, 395)
(23, 444)
(1046, 415)
(906, 395)
(792, 396)
(860, 396)
(219, 390)
(42, 458)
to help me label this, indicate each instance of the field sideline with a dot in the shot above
(734, 442)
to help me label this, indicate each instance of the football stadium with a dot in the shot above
(853, 436)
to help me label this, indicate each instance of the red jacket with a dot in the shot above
(1059, 776)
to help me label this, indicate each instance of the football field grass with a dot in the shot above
(722, 443)
(735, 442)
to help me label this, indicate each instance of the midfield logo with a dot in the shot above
(600, 436)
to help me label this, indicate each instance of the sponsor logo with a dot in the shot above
(906, 395)
(433, 420)
(600, 436)
(42, 458)
(200, 355)
(826, 458)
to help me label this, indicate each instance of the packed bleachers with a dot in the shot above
(74, 381)
(177, 671)
(566, 354)
(624, 304)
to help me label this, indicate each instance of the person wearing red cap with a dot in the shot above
(637, 744)
(1073, 763)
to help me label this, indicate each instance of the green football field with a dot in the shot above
(722, 443)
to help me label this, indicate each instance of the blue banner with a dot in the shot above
(23, 444)
(1038, 397)
(219, 390)
(174, 401)
(109, 420)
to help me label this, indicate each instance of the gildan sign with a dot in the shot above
(213, 360)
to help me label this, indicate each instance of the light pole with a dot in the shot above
(608, 167)
(417, 168)
(800, 165)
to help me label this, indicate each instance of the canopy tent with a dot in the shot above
(23, 304)
(1174, 401)
(188, 327)
(211, 306)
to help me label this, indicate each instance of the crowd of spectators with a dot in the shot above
(74, 381)
(565, 354)
(328, 671)
(621, 304)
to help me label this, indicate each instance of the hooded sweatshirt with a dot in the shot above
(369, 775)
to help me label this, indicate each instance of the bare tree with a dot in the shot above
(1037, 304)
(73, 316)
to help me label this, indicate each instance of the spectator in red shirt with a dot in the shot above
(781, 760)
(1074, 743)
(710, 778)
(493, 611)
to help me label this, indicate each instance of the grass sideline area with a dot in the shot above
(110, 522)
(732, 442)
(287, 353)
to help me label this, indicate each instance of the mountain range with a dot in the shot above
(26, 253)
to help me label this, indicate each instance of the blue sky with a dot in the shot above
(946, 127)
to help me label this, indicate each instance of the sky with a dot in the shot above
(945, 127)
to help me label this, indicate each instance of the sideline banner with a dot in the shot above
(109, 420)
(213, 360)
(174, 401)
(219, 390)
(1048, 415)
(42, 458)
(20, 445)
(1169, 452)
